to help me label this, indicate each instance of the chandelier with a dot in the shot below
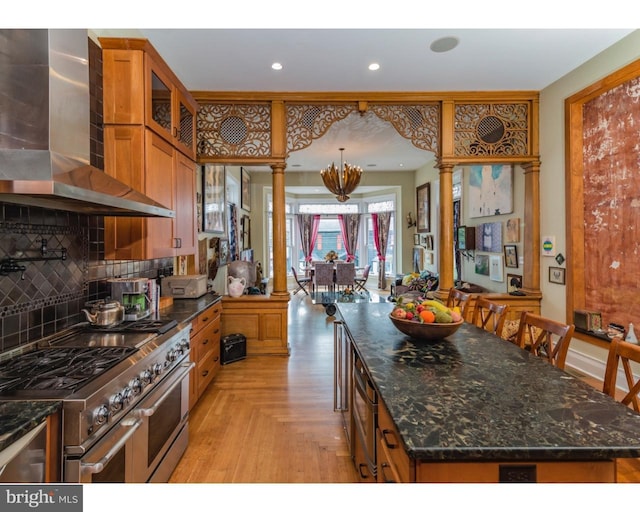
(343, 181)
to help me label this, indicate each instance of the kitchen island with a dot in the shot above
(475, 408)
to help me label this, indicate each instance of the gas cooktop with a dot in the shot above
(57, 371)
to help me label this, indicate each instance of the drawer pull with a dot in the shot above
(216, 359)
(386, 441)
(205, 373)
(216, 331)
(360, 468)
(205, 341)
(387, 480)
(205, 319)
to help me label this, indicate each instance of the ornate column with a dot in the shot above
(279, 233)
(531, 238)
(446, 227)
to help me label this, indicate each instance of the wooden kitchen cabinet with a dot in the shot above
(149, 134)
(205, 351)
(394, 465)
(137, 156)
(140, 88)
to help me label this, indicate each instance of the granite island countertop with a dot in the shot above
(475, 397)
(18, 417)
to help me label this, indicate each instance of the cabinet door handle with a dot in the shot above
(360, 468)
(205, 373)
(205, 319)
(205, 341)
(216, 331)
(387, 480)
(215, 359)
(386, 440)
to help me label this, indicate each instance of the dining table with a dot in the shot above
(472, 402)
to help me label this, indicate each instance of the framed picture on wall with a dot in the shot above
(245, 199)
(496, 272)
(423, 198)
(557, 275)
(213, 197)
(510, 256)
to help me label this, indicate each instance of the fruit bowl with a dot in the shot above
(425, 332)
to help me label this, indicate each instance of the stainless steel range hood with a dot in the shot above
(45, 129)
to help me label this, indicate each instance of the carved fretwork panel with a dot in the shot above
(308, 122)
(162, 114)
(234, 130)
(418, 123)
(500, 129)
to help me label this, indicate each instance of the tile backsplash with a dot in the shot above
(48, 296)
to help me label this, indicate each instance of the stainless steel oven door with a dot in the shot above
(163, 435)
(110, 460)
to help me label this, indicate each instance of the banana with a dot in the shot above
(436, 304)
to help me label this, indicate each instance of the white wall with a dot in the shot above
(552, 180)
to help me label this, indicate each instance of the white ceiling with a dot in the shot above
(337, 60)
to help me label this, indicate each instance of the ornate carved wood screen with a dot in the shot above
(603, 197)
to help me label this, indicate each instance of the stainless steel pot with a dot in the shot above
(105, 313)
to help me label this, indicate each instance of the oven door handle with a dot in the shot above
(98, 467)
(150, 411)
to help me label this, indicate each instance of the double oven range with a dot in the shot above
(124, 393)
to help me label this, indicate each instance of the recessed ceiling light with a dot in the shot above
(374, 66)
(444, 44)
(277, 66)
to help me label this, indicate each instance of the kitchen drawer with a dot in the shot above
(207, 369)
(205, 340)
(206, 317)
(394, 465)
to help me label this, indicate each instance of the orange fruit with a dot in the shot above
(427, 316)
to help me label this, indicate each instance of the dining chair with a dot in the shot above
(323, 276)
(345, 275)
(458, 298)
(489, 315)
(302, 282)
(361, 281)
(627, 353)
(545, 337)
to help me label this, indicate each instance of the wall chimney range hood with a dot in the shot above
(44, 129)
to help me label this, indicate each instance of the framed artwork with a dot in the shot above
(496, 273)
(490, 190)
(245, 199)
(423, 198)
(482, 264)
(514, 283)
(429, 242)
(245, 226)
(557, 275)
(418, 259)
(223, 254)
(513, 231)
(416, 239)
(510, 256)
(213, 187)
(548, 245)
(489, 237)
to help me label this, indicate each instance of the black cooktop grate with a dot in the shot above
(66, 368)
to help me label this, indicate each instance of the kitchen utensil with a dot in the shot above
(105, 313)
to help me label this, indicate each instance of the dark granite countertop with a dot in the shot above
(475, 397)
(19, 417)
(185, 310)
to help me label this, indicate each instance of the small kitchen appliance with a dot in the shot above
(133, 294)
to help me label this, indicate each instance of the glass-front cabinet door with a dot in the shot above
(186, 134)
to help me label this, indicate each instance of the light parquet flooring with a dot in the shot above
(271, 419)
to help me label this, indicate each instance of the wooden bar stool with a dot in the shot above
(489, 316)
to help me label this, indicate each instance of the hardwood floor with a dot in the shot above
(271, 419)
